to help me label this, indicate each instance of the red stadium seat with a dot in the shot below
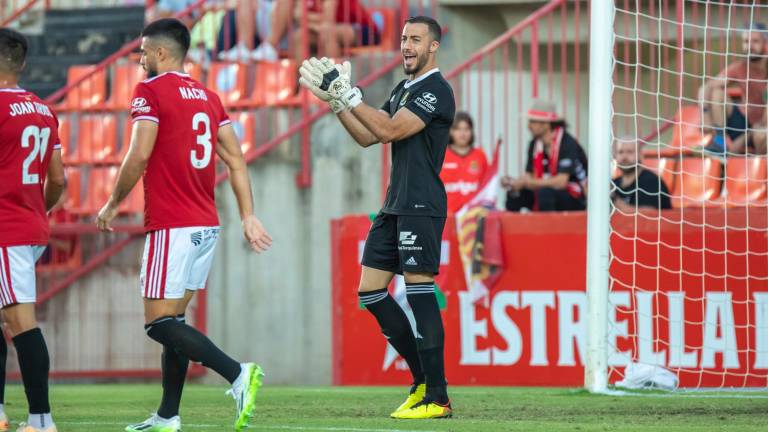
(100, 182)
(229, 80)
(125, 78)
(65, 130)
(72, 195)
(664, 168)
(194, 70)
(698, 182)
(687, 133)
(90, 93)
(746, 181)
(275, 83)
(245, 129)
(97, 139)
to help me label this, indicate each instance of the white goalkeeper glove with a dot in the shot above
(351, 96)
(311, 72)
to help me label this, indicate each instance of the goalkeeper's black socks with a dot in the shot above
(194, 345)
(34, 364)
(396, 328)
(429, 324)
(174, 367)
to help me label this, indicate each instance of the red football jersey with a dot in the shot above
(28, 137)
(462, 176)
(180, 175)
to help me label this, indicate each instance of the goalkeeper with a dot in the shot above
(405, 236)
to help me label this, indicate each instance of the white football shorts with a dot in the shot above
(176, 260)
(17, 274)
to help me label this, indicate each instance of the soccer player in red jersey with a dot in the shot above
(464, 165)
(31, 182)
(178, 126)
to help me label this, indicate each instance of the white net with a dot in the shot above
(689, 246)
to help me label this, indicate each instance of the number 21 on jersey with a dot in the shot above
(203, 140)
(37, 138)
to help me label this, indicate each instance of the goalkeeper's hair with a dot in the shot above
(434, 27)
(463, 116)
(13, 51)
(170, 30)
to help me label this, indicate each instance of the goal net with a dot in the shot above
(688, 261)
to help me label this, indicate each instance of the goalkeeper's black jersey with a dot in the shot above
(415, 187)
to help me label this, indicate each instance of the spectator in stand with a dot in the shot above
(744, 123)
(555, 175)
(464, 166)
(333, 24)
(636, 187)
(169, 8)
(249, 25)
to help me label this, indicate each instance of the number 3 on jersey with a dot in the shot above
(38, 139)
(203, 139)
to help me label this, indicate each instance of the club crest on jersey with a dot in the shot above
(404, 99)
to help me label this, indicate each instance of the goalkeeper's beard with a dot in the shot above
(421, 61)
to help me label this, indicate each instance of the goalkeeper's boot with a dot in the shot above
(27, 428)
(157, 424)
(426, 409)
(418, 391)
(244, 391)
(4, 424)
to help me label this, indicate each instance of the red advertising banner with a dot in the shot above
(687, 294)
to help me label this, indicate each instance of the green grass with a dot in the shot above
(85, 408)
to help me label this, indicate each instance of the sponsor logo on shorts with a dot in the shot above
(411, 262)
(205, 235)
(196, 238)
(407, 237)
(407, 241)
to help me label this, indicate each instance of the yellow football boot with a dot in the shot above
(4, 424)
(426, 409)
(417, 395)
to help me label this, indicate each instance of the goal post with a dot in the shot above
(598, 216)
(677, 246)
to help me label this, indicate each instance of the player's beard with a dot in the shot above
(421, 60)
(151, 70)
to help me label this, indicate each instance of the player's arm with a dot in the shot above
(385, 128)
(143, 138)
(229, 151)
(55, 181)
(357, 130)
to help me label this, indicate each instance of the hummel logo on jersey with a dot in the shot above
(197, 238)
(411, 261)
(406, 238)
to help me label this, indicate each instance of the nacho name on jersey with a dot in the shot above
(26, 108)
(140, 105)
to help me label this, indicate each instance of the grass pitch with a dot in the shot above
(86, 408)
